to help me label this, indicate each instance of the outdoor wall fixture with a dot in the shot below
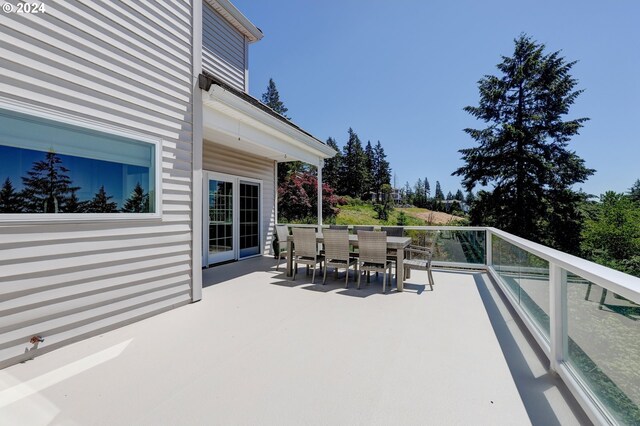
(36, 339)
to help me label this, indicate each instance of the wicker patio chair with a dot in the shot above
(341, 227)
(373, 255)
(361, 228)
(336, 253)
(423, 262)
(306, 250)
(282, 231)
(393, 231)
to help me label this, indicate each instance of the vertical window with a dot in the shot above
(48, 167)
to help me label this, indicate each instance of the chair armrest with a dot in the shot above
(414, 249)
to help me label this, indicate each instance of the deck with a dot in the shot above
(262, 349)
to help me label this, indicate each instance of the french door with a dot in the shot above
(232, 218)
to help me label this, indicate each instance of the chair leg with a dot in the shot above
(430, 278)
(586, 297)
(368, 277)
(346, 279)
(359, 277)
(324, 276)
(295, 270)
(384, 281)
(313, 277)
(278, 261)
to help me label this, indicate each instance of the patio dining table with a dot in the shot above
(397, 244)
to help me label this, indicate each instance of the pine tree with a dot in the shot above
(523, 151)
(370, 184)
(9, 199)
(439, 194)
(74, 205)
(418, 191)
(427, 189)
(459, 195)
(101, 202)
(449, 196)
(271, 98)
(47, 187)
(138, 201)
(382, 173)
(634, 191)
(353, 173)
(470, 198)
(331, 169)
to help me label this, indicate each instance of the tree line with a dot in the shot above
(419, 195)
(47, 188)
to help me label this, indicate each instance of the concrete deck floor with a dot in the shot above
(261, 349)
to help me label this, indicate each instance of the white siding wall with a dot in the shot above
(222, 159)
(125, 65)
(223, 49)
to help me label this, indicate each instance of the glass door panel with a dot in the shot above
(249, 219)
(220, 218)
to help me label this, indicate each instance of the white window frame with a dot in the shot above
(63, 118)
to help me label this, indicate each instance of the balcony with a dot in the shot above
(262, 349)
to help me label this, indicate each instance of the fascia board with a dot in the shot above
(260, 119)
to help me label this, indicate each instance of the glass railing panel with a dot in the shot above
(526, 277)
(463, 246)
(604, 346)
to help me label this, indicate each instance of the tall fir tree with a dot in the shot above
(449, 196)
(459, 195)
(47, 186)
(523, 151)
(353, 173)
(634, 191)
(427, 189)
(10, 201)
(271, 98)
(331, 169)
(74, 205)
(138, 201)
(469, 198)
(382, 172)
(439, 195)
(101, 202)
(370, 184)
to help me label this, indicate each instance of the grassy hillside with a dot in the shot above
(359, 213)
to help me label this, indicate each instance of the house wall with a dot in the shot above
(120, 65)
(222, 159)
(223, 49)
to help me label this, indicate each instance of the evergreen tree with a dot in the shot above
(523, 150)
(470, 198)
(331, 169)
(419, 199)
(9, 199)
(449, 196)
(353, 172)
(408, 194)
(439, 194)
(138, 201)
(459, 195)
(74, 205)
(47, 187)
(370, 184)
(101, 202)
(427, 189)
(382, 173)
(634, 191)
(271, 98)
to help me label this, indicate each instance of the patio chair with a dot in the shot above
(361, 228)
(306, 250)
(336, 253)
(282, 231)
(393, 231)
(423, 263)
(341, 227)
(373, 255)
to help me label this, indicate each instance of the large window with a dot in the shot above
(48, 167)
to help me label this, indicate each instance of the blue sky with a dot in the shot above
(401, 72)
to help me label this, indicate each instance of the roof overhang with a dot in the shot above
(232, 121)
(237, 19)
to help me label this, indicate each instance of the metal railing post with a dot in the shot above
(488, 254)
(557, 315)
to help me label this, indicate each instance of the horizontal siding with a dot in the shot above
(223, 48)
(120, 65)
(222, 159)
